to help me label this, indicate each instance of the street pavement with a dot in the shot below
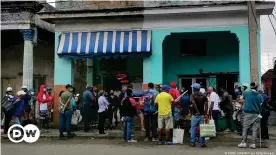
(86, 146)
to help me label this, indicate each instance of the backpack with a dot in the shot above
(7, 104)
(148, 98)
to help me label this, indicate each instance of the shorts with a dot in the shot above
(139, 112)
(165, 121)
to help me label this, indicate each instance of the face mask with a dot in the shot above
(44, 89)
(32, 93)
(71, 89)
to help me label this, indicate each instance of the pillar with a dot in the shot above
(28, 36)
(153, 65)
(63, 75)
(90, 71)
(244, 55)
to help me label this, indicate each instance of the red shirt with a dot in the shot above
(131, 100)
(139, 106)
(175, 94)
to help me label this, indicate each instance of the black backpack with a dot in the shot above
(7, 104)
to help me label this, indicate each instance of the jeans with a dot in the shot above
(195, 122)
(215, 115)
(150, 119)
(16, 120)
(128, 122)
(65, 120)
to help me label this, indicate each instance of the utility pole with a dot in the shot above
(253, 43)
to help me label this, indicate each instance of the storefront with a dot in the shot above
(147, 40)
(116, 57)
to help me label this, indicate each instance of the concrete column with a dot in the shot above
(28, 36)
(244, 54)
(90, 71)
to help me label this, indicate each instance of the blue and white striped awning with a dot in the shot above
(104, 44)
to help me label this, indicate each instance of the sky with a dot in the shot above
(268, 40)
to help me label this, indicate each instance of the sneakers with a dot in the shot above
(242, 145)
(227, 131)
(154, 140)
(159, 142)
(252, 146)
(168, 143)
(132, 141)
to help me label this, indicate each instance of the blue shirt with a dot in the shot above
(87, 97)
(135, 94)
(185, 104)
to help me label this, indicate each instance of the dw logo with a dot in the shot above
(17, 133)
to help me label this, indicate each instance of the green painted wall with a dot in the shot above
(63, 70)
(222, 55)
(153, 66)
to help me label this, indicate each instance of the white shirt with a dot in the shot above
(103, 103)
(215, 98)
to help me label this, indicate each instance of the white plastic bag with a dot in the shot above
(178, 136)
(75, 119)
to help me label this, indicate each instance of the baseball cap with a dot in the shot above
(166, 87)
(245, 85)
(21, 92)
(196, 86)
(31, 89)
(24, 87)
(9, 89)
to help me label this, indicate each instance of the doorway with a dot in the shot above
(186, 82)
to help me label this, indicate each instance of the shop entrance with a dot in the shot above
(115, 73)
(186, 82)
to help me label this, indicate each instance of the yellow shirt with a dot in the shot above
(164, 101)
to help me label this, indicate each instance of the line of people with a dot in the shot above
(24, 107)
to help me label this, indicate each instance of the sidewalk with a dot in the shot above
(139, 135)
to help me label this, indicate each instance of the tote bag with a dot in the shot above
(207, 130)
(178, 136)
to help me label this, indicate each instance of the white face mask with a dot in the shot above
(32, 93)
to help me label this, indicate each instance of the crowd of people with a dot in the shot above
(159, 109)
(24, 107)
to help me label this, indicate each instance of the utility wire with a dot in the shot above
(272, 24)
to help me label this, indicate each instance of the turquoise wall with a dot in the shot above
(152, 66)
(222, 55)
(63, 70)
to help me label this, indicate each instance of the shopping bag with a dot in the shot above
(79, 115)
(75, 119)
(207, 130)
(178, 136)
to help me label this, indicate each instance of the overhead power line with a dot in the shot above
(272, 24)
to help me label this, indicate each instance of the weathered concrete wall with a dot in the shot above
(12, 62)
(97, 5)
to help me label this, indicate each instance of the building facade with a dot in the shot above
(187, 42)
(27, 51)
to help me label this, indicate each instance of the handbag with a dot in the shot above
(207, 130)
(178, 136)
